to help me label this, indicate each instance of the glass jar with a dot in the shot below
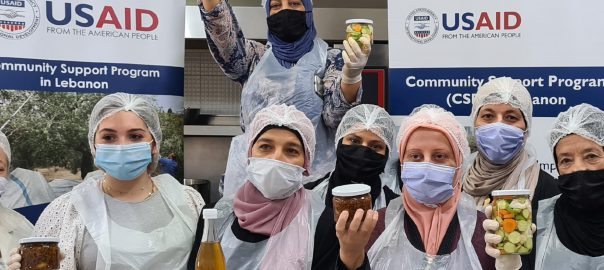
(512, 210)
(39, 253)
(350, 198)
(360, 30)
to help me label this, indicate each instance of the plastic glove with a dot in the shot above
(14, 261)
(354, 238)
(505, 262)
(354, 60)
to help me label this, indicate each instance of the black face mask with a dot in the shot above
(288, 25)
(584, 190)
(357, 162)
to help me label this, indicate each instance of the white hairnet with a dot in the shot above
(367, 117)
(285, 116)
(114, 103)
(504, 90)
(584, 120)
(5, 146)
(433, 115)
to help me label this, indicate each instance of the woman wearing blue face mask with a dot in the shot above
(502, 111)
(124, 219)
(434, 225)
(570, 229)
(273, 222)
(284, 72)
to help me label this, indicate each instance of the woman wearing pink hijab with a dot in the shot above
(435, 225)
(273, 222)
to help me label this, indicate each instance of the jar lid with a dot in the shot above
(351, 190)
(511, 192)
(366, 21)
(39, 240)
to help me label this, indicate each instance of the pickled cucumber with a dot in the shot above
(529, 243)
(523, 225)
(502, 204)
(526, 213)
(514, 237)
(509, 247)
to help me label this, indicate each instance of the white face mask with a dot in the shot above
(3, 185)
(274, 179)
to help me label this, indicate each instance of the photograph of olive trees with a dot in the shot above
(48, 131)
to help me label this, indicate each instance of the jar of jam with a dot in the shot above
(350, 198)
(39, 253)
(512, 210)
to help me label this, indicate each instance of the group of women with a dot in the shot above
(431, 215)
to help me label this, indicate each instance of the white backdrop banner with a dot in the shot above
(92, 46)
(440, 52)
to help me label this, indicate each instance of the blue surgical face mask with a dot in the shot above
(123, 162)
(499, 142)
(428, 183)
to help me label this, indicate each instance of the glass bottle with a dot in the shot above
(210, 256)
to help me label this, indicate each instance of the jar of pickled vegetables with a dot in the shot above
(350, 198)
(361, 30)
(39, 253)
(512, 210)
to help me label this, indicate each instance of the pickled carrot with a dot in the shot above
(509, 225)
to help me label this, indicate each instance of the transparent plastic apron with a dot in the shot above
(122, 248)
(269, 84)
(392, 250)
(292, 248)
(13, 226)
(551, 253)
(26, 188)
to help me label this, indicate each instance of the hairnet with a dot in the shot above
(5, 147)
(285, 116)
(584, 120)
(434, 116)
(504, 90)
(118, 102)
(367, 117)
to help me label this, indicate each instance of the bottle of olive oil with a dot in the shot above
(210, 256)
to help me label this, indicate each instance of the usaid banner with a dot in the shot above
(59, 58)
(440, 52)
(92, 46)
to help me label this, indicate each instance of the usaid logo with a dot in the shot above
(422, 25)
(18, 18)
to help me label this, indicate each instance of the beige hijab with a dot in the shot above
(483, 177)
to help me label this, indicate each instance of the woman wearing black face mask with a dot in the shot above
(364, 138)
(284, 71)
(570, 227)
